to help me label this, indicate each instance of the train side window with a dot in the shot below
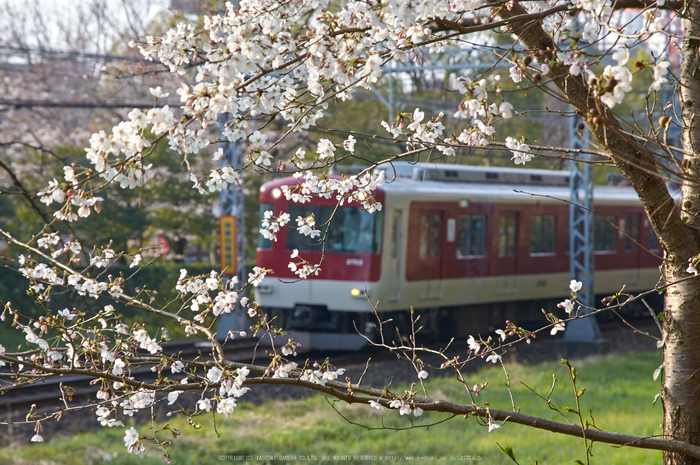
(262, 242)
(604, 234)
(507, 228)
(471, 235)
(430, 235)
(631, 229)
(654, 243)
(542, 232)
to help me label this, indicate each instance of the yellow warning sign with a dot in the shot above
(227, 244)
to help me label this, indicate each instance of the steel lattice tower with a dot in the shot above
(581, 239)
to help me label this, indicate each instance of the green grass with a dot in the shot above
(620, 391)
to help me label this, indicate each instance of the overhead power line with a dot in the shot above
(21, 103)
(8, 50)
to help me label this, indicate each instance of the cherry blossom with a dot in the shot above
(660, 72)
(204, 404)
(214, 374)
(558, 326)
(575, 286)
(375, 404)
(473, 345)
(256, 277)
(567, 305)
(132, 441)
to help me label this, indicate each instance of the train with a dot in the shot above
(464, 247)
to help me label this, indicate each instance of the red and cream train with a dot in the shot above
(466, 247)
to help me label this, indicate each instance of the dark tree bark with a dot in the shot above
(675, 225)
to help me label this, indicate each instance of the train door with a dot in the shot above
(629, 231)
(506, 261)
(393, 277)
(430, 250)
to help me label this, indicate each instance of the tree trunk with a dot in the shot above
(681, 388)
(678, 233)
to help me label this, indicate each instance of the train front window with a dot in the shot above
(352, 230)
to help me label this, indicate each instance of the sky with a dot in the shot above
(74, 24)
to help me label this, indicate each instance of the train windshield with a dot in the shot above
(353, 230)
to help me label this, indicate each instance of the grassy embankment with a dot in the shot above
(620, 391)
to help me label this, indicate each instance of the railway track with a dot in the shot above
(616, 337)
(48, 392)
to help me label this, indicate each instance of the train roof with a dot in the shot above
(492, 184)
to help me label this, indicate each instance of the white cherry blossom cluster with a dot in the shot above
(404, 408)
(569, 305)
(253, 36)
(72, 247)
(229, 389)
(302, 268)
(426, 133)
(233, 387)
(141, 399)
(48, 240)
(416, 132)
(283, 370)
(616, 80)
(200, 287)
(257, 275)
(102, 258)
(180, 38)
(320, 376)
(306, 226)
(271, 224)
(74, 198)
(224, 302)
(117, 157)
(146, 342)
(475, 104)
(103, 414)
(41, 272)
(521, 151)
(218, 180)
(90, 287)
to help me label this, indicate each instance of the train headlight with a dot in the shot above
(359, 293)
(276, 193)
